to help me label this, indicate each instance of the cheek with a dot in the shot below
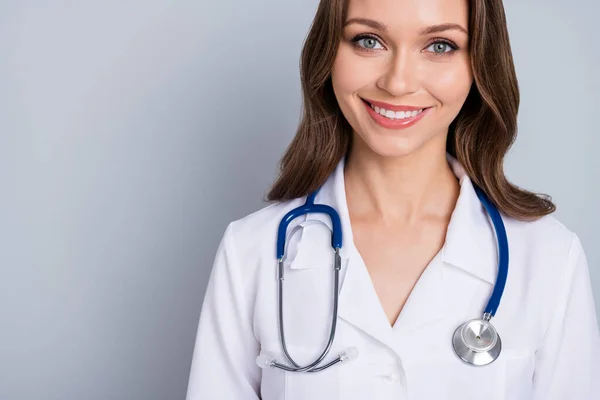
(349, 74)
(452, 85)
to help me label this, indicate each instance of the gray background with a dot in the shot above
(132, 132)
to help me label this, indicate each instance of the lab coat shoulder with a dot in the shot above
(223, 362)
(253, 239)
(549, 275)
(539, 251)
(542, 255)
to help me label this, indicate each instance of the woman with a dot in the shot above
(409, 106)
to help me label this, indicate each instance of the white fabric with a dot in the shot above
(546, 319)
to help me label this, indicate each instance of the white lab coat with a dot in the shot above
(546, 319)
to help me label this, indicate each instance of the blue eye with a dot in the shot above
(368, 42)
(442, 47)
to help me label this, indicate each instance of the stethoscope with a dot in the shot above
(476, 342)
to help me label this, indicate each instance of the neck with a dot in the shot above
(405, 189)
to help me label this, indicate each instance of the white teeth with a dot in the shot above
(398, 114)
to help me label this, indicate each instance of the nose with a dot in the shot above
(400, 74)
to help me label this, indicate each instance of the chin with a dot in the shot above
(390, 146)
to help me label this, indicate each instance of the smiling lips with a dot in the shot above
(395, 117)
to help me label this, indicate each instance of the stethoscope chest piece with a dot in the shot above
(477, 342)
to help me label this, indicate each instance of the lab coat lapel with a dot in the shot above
(359, 304)
(427, 301)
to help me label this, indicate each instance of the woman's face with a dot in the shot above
(405, 53)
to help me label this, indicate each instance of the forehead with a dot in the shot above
(410, 15)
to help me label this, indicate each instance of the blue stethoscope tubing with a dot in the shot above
(310, 207)
(475, 342)
(494, 301)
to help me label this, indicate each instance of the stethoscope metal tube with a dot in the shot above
(312, 367)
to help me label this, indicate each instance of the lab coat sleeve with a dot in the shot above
(223, 362)
(568, 360)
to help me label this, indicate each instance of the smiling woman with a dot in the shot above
(450, 58)
(410, 107)
(427, 67)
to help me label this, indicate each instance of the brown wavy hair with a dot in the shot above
(479, 137)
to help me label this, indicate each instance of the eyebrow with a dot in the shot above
(425, 31)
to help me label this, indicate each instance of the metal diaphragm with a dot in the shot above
(476, 342)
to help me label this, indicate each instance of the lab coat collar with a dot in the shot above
(470, 242)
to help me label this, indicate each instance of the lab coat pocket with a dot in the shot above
(273, 382)
(322, 385)
(519, 366)
(450, 378)
(279, 384)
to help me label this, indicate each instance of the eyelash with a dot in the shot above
(452, 45)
